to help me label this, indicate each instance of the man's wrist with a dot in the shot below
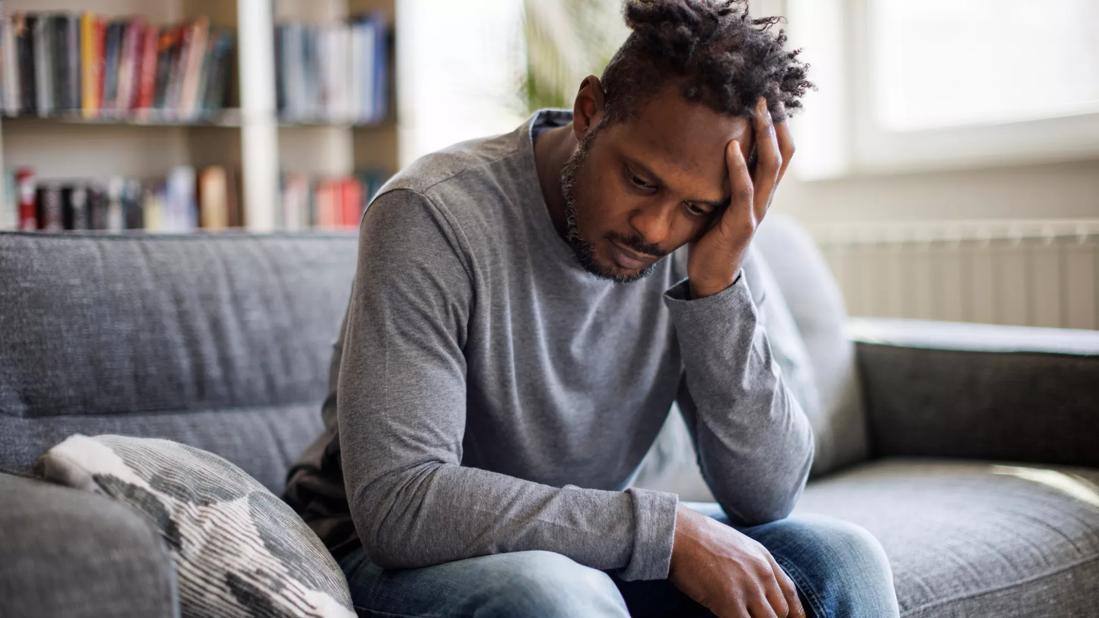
(702, 289)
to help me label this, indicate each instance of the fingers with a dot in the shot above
(785, 140)
(770, 157)
(740, 212)
(789, 591)
(761, 608)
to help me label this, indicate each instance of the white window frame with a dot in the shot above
(838, 135)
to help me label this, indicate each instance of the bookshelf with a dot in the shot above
(248, 135)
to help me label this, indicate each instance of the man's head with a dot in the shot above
(649, 173)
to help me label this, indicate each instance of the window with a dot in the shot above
(942, 63)
(946, 83)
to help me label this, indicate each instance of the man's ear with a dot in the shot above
(587, 109)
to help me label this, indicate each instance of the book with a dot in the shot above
(97, 206)
(146, 82)
(71, 60)
(26, 191)
(295, 201)
(153, 202)
(167, 45)
(74, 205)
(177, 66)
(195, 43)
(50, 213)
(180, 211)
(233, 204)
(115, 214)
(56, 65)
(128, 64)
(212, 198)
(133, 213)
(91, 64)
(43, 63)
(9, 206)
(219, 75)
(24, 46)
(111, 58)
(380, 74)
(350, 202)
(10, 68)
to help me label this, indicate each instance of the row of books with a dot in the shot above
(323, 202)
(64, 63)
(183, 201)
(332, 72)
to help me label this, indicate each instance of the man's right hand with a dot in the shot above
(728, 572)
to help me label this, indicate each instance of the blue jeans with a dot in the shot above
(839, 569)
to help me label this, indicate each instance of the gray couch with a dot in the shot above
(971, 452)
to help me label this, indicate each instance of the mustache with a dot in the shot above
(638, 245)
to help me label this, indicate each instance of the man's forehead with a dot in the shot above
(683, 139)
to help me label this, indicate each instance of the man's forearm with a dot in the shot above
(754, 441)
(434, 513)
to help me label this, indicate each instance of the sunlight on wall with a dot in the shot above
(460, 67)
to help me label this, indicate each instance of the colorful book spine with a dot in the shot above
(90, 65)
(28, 208)
(193, 64)
(128, 64)
(146, 89)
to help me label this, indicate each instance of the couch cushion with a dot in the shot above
(969, 538)
(71, 553)
(219, 340)
(814, 299)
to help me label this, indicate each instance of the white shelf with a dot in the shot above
(251, 134)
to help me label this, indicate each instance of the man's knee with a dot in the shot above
(843, 568)
(847, 544)
(542, 583)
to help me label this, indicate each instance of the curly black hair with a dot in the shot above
(713, 49)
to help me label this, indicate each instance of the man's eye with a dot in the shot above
(639, 182)
(695, 209)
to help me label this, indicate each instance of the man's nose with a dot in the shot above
(653, 222)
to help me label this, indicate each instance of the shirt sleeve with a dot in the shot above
(401, 399)
(754, 442)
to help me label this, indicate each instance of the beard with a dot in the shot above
(581, 247)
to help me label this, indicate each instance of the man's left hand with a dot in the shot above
(715, 258)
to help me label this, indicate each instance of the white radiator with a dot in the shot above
(1032, 272)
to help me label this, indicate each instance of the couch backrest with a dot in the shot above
(816, 305)
(221, 341)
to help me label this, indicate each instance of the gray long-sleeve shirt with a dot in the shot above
(489, 395)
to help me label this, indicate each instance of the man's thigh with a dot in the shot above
(531, 583)
(838, 569)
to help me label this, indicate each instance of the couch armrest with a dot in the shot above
(982, 391)
(73, 553)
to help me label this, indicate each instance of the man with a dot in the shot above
(525, 310)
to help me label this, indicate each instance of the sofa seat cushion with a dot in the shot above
(975, 538)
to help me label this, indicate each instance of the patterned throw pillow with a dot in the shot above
(238, 549)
